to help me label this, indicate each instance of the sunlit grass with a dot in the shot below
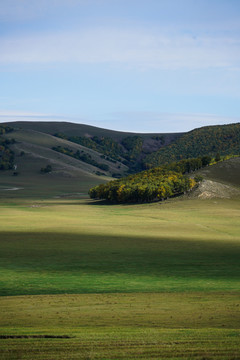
(74, 247)
(121, 326)
(149, 281)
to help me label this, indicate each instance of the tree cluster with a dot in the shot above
(46, 169)
(105, 145)
(206, 141)
(160, 138)
(81, 156)
(127, 152)
(209, 140)
(133, 145)
(5, 130)
(188, 165)
(6, 154)
(157, 183)
(149, 185)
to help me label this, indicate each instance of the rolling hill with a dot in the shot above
(81, 279)
(33, 152)
(127, 148)
(81, 156)
(226, 172)
(208, 140)
(73, 129)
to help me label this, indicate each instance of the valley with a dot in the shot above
(86, 279)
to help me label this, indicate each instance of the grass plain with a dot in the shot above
(149, 281)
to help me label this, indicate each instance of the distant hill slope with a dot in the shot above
(73, 129)
(41, 145)
(227, 172)
(127, 148)
(221, 180)
(6, 154)
(33, 151)
(76, 167)
(209, 140)
(209, 189)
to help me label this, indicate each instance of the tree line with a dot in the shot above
(80, 155)
(210, 140)
(6, 154)
(126, 151)
(157, 183)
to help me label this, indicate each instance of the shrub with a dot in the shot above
(198, 178)
(46, 170)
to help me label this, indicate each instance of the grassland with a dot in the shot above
(60, 246)
(87, 280)
(121, 326)
(149, 281)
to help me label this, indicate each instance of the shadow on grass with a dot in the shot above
(45, 258)
(100, 202)
(108, 202)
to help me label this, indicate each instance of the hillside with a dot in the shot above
(33, 152)
(42, 145)
(140, 151)
(6, 154)
(75, 168)
(127, 148)
(209, 140)
(73, 129)
(62, 158)
(221, 180)
(226, 172)
(82, 279)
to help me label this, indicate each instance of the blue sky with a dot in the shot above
(136, 65)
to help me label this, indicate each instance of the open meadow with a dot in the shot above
(88, 280)
(120, 180)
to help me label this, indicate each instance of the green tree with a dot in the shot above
(218, 157)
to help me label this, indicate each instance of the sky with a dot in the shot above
(129, 65)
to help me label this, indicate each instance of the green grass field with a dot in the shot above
(121, 326)
(147, 281)
(67, 246)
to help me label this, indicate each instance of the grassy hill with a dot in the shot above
(209, 140)
(82, 279)
(34, 141)
(227, 172)
(33, 151)
(139, 151)
(72, 129)
(127, 148)
(82, 156)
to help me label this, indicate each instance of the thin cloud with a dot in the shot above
(141, 48)
(152, 122)
(22, 10)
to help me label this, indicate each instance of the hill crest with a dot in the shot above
(91, 155)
